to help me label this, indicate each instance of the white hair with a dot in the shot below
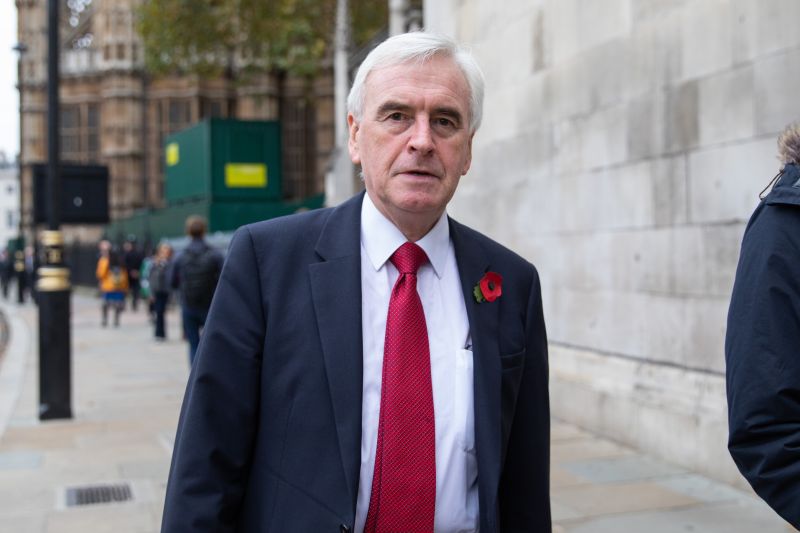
(419, 46)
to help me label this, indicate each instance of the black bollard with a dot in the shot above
(55, 372)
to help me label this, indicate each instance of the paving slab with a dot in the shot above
(724, 518)
(602, 499)
(609, 470)
(704, 489)
(587, 447)
(559, 477)
(20, 460)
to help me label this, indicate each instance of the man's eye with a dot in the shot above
(446, 122)
(396, 116)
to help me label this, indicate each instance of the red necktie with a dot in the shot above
(404, 482)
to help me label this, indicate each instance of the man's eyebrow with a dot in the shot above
(392, 106)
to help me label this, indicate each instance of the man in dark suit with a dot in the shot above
(376, 366)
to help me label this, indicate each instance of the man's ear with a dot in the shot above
(468, 162)
(352, 141)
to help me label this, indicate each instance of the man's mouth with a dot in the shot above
(420, 173)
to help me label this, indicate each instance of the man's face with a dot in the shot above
(413, 141)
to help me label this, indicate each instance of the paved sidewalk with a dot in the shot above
(127, 391)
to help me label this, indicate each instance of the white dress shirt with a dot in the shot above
(439, 287)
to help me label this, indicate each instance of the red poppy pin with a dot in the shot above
(489, 288)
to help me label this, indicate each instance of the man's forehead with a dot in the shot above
(442, 60)
(446, 68)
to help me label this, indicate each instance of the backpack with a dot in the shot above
(157, 277)
(198, 277)
(116, 278)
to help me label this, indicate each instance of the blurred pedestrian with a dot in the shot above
(31, 266)
(113, 279)
(103, 249)
(144, 285)
(133, 258)
(762, 345)
(6, 271)
(195, 275)
(20, 275)
(157, 282)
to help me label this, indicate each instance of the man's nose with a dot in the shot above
(421, 136)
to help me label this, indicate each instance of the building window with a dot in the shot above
(93, 131)
(70, 133)
(10, 219)
(298, 147)
(180, 112)
(212, 108)
(80, 126)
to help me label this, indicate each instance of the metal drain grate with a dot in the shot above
(95, 494)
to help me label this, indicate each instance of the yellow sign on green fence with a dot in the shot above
(173, 154)
(246, 175)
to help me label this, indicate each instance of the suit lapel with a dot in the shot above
(473, 263)
(336, 292)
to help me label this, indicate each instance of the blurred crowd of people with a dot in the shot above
(130, 276)
(127, 275)
(18, 268)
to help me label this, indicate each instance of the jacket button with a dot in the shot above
(344, 529)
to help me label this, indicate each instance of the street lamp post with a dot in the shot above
(18, 259)
(53, 286)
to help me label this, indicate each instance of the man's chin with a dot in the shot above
(420, 202)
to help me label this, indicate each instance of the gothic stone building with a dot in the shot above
(114, 114)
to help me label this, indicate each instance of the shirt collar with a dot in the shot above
(381, 238)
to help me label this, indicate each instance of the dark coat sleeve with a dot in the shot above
(762, 351)
(215, 436)
(525, 483)
(173, 274)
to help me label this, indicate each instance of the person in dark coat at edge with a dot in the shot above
(6, 271)
(376, 366)
(133, 257)
(762, 346)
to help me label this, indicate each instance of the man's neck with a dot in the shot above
(415, 233)
(414, 226)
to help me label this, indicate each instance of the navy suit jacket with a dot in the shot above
(269, 437)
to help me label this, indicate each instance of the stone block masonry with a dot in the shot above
(625, 144)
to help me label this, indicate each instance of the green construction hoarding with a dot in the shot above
(224, 160)
(228, 171)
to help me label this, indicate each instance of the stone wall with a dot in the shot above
(623, 149)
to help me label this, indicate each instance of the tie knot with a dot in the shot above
(408, 258)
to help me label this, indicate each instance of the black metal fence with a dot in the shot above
(82, 262)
